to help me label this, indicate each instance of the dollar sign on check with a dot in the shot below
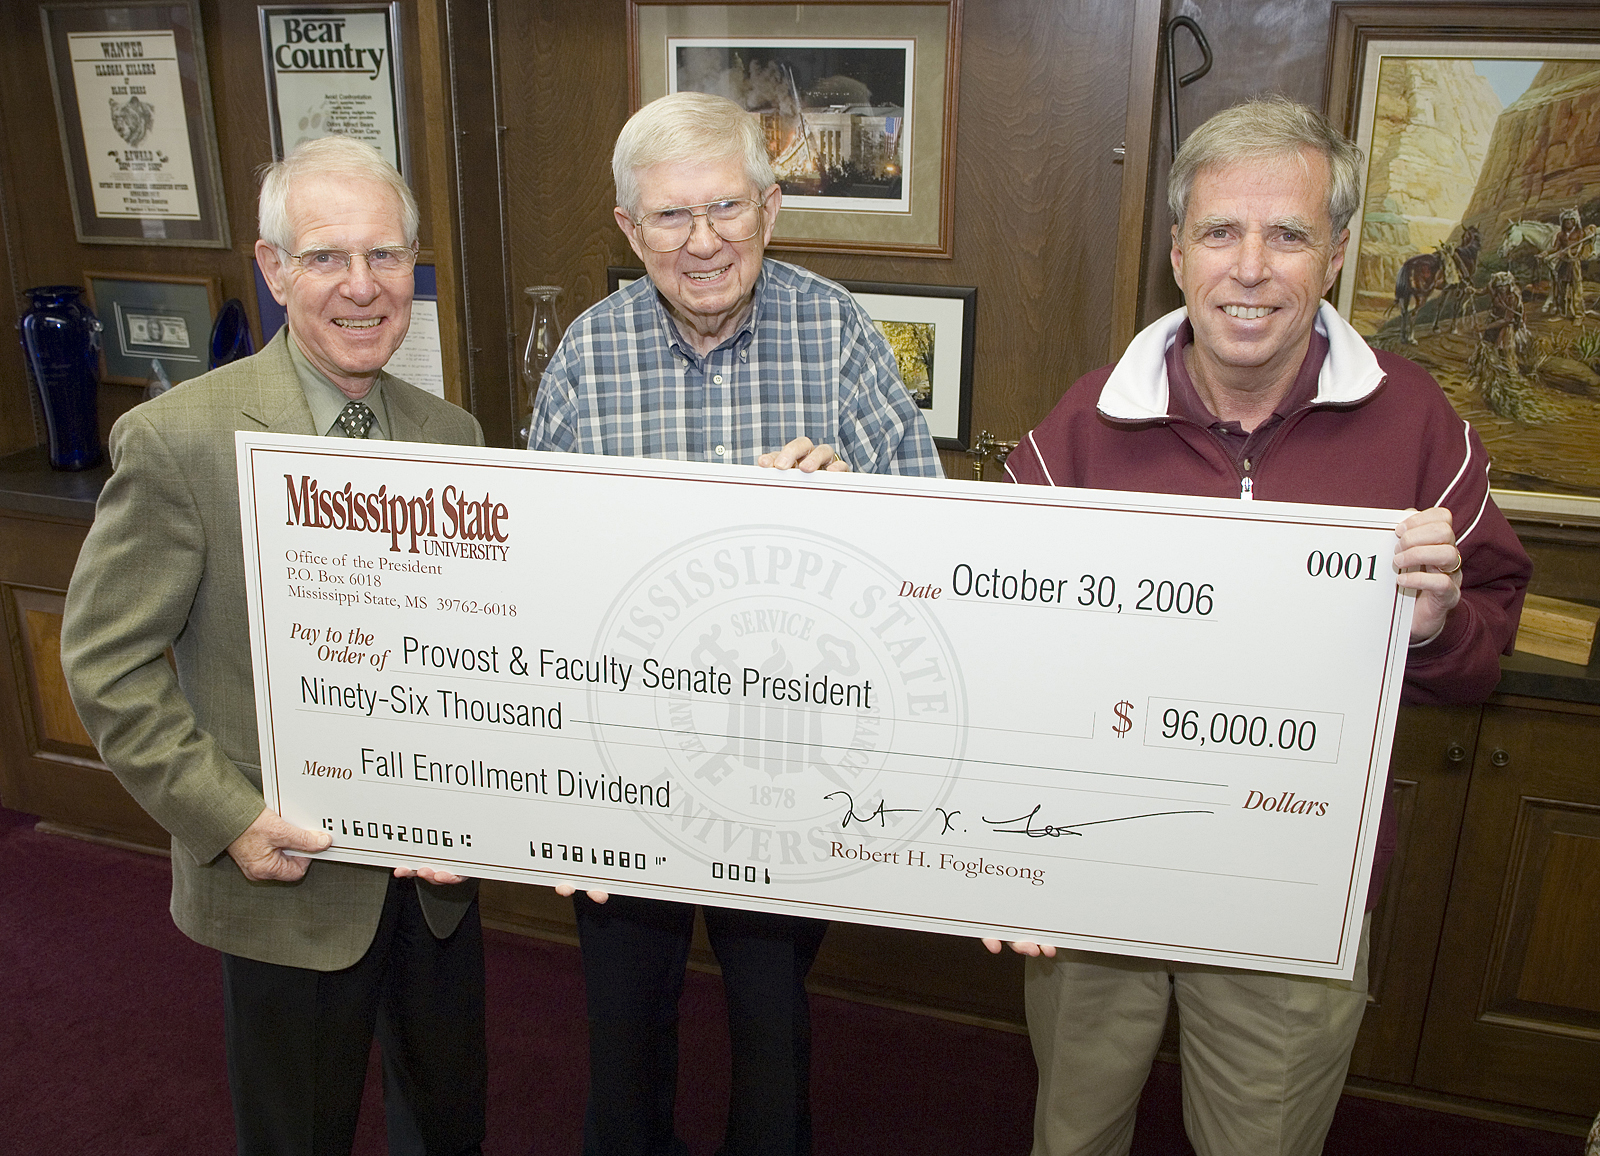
(1124, 721)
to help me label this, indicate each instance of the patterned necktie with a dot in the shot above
(356, 419)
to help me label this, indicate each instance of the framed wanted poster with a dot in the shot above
(133, 102)
(335, 70)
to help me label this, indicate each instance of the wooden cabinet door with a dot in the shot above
(48, 764)
(1515, 1011)
(1430, 769)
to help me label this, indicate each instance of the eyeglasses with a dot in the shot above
(387, 261)
(668, 230)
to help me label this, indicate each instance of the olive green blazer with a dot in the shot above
(163, 565)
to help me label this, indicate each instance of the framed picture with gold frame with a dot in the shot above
(857, 103)
(1476, 247)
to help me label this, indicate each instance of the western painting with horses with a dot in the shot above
(1477, 252)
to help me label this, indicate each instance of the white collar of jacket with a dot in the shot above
(1137, 388)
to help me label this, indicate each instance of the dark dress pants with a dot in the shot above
(634, 953)
(298, 1041)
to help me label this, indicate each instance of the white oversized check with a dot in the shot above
(1133, 723)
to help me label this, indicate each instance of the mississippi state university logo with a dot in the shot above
(788, 695)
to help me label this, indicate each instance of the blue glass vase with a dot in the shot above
(61, 338)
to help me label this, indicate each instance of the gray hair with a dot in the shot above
(1263, 127)
(688, 126)
(329, 156)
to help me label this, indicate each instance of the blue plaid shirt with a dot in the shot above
(807, 360)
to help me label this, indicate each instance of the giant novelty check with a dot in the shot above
(1132, 723)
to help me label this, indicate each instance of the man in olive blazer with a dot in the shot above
(317, 955)
(163, 566)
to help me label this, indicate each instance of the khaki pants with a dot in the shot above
(1263, 1056)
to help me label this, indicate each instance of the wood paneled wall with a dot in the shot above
(515, 107)
(1042, 102)
(21, 422)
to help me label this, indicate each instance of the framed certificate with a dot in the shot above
(133, 101)
(335, 70)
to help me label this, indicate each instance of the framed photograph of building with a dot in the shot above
(1476, 247)
(857, 103)
(335, 69)
(133, 104)
(145, 318)
(930, 328)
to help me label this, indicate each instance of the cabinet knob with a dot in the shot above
(1456, 753)
(1499, 757)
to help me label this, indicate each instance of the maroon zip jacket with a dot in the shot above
(1379, 432)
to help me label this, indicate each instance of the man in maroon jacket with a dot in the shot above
(1258, 389)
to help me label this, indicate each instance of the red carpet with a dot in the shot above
(112, 1043)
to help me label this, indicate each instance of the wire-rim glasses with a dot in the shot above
(734, 219)
(384, 261)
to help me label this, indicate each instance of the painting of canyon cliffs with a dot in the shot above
(1478, 252)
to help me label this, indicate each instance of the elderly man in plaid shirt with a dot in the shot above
(718, 356)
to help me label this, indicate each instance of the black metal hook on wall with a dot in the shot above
(1174, 81)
